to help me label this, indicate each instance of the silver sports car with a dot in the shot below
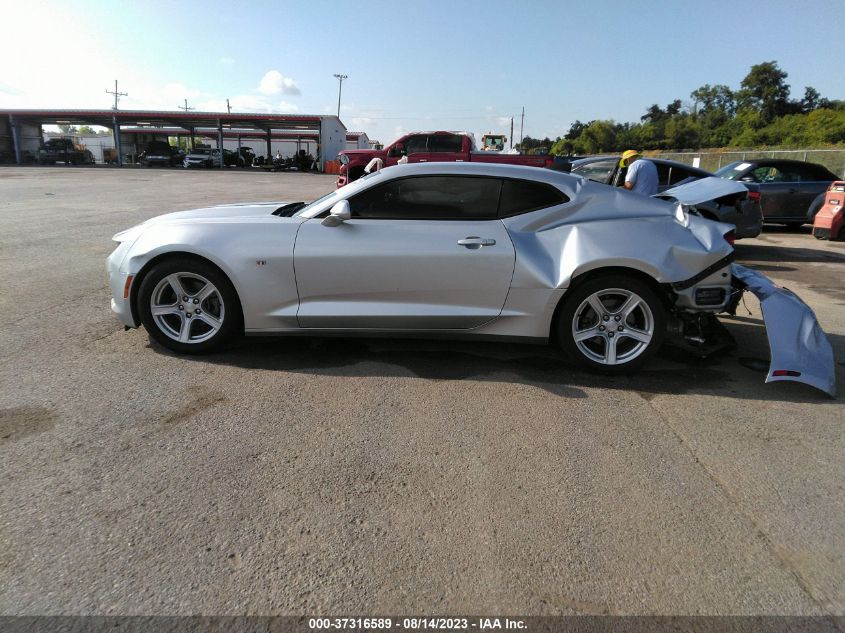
(436, 249)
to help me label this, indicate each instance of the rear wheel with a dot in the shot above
(611, 324)
(189, 306)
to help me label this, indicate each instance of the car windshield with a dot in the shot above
(307, 209)
(312, 205)
(732, 171)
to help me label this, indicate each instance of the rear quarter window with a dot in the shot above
(522, 196)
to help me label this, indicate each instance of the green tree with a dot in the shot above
(598, 137)
(765, 90)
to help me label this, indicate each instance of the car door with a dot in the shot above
(778, 192)
(419, 253)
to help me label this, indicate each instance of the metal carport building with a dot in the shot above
(16, 126)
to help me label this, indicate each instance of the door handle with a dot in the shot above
(476, 242)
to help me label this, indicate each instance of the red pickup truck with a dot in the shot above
(422, 147)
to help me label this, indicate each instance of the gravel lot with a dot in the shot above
(292, 476)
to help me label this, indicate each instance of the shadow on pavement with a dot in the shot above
(736, 374)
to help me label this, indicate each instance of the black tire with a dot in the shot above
(647, 318)
(814, 207)
(222, 305)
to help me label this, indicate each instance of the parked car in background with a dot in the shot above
(161, 153)
(241, 157)
(64, 150)
(430, 147)
(203, 157)
(742, 209)
(791, 191)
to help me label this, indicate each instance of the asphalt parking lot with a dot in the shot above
(373, 476)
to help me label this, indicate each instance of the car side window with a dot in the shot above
(416, 144)
(767, 174)
(451, 143)
(429, 198)
(662, 173)
(599, 171)
(522, 196)
(678, 174)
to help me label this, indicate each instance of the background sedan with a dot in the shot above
(791, 191)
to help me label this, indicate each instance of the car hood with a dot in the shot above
(702, 190)
(220, 213)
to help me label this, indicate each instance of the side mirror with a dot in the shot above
(397, 150)
(338, 215)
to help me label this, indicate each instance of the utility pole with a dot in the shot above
(340, 79)
(521, 123)
(117, 95)
(511, 136)
(228, 107)
(185, 107)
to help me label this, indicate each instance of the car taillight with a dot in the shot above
(754, 196)
(730, 237)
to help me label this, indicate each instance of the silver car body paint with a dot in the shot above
(796, 340)
(293, 275)
(702, 190)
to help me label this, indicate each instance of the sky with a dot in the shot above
(411, 65)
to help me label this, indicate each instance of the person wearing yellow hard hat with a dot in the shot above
(642, 174)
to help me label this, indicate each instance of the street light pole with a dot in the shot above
(340, 79)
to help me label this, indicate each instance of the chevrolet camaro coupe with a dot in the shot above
(436, 249)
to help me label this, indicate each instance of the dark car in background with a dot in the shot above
(742, 210)
(64, 150)
(161, 153)
(791, 191)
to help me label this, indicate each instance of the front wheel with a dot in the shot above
(189, 306)
(611, 324)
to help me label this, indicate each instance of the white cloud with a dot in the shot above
(286, 106)
(273, 83)
(503, 121)
(361, 121)
(227, 61)
(489, 108)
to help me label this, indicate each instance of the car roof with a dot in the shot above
(495, 170)
(786, 162)
(660, 161)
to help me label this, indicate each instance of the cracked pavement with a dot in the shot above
(314, 476)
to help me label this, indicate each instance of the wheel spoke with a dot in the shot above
(583, 335)
(210, 320)
(165, 310)
(638, 335)
(185, 331)
(610, 350)
(176, 285)
(629, 306)
(207, 290)
(597, 306)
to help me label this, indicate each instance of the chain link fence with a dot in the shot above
(833, 159)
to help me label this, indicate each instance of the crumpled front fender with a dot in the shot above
(799, 348)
